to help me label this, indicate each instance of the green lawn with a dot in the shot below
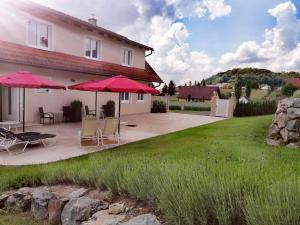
(217, 174)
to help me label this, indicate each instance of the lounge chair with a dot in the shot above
(89, 131)
(89, 113)
(10, 139)
(109, 130)
(46, 115)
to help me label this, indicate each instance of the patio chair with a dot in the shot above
(110, 129)
(89, 113)
(89, 132)
(11, 139)
(47, 115)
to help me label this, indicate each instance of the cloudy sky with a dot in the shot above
(194, 39)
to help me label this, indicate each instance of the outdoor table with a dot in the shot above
(10, 124)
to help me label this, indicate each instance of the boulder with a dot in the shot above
(104, 218)
(145, 219)
(78, 210)
(3, 199)
(275, 143)
(296, 103)
(18, 201)
(293, 125)
(293, 113)
(274, 132)
(78, 193)
(280, 120)
(55, 208)
(39, 204)
(116, 208)
(293, 145)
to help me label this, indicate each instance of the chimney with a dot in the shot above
(93, 21)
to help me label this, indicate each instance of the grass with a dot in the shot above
(217, 174)
(17, 218)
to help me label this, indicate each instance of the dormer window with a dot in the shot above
(39, 34)
(92, 48)
(126, 57)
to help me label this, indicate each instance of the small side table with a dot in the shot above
(10, 124)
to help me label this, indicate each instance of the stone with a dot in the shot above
(293, 136)
(39, 204)
(274, 132)
(78, 193)
(3, 199)
(284, 134)
(145, 219)
(18, 201)
(293, 113)
(281, 120)
(55, 208)
(293, 145)
(116, 208)
(293, 125)
(104, 218)
(278, 142)
(296, 103)
(78, 210)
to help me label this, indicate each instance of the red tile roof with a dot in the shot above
(197, 92)
(294, 81)
(49, 14)
(24, 55)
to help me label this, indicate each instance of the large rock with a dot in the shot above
(3, 199)
(78, 193)
(39, 204)
(145, 219)
(55, 208)
(105, 218)
(293, 113)
(18, 201)
(293, 125)
(116, 208)
(78, 210)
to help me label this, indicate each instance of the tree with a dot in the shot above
(198, 83)
(195, 83)
(190, 83)
(165, 89)
(248, 88)
(203, 83)
(238, 88)
(172, 88)
(288, 89)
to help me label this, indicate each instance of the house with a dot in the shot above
(295, 81)
(67, 50)
(199, 93)
(265, 87)
(243, 100)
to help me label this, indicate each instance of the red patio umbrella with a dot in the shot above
(24, 79)
(118, 84)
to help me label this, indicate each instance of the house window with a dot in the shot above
(141, 97)
(125, 97)
(39, 35)
(92, 48)
(9, 101)
(126, 57)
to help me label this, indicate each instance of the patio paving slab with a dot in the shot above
(67, 145)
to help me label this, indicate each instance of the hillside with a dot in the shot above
(257, 76)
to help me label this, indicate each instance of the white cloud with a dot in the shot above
(279, 51)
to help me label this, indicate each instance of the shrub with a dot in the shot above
(197, 108)
(109, 109)
(255, 108)
(296, 94)
(158, 107)
(175, 107)
(289, 89)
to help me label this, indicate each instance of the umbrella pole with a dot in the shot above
(24, 109)
(96, 103)
(119, 125)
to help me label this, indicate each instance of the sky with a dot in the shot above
(194, 39)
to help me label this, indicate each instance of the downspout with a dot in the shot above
(151, 52)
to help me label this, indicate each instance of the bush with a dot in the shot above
(109, 109)
(289, 89)
(159, 107)
(174, 107)
(296, 94)
(255, 108)
(197, 108)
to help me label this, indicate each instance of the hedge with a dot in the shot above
(190, 108)
(255, 108)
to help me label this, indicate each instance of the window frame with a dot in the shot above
(128, 50)
(143, 98)
(50, 34)
(125, 100)
(99, 41)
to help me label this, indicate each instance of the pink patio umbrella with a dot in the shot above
(24, 79)
(118, 84)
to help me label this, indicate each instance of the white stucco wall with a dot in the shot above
(53, 101)
(65, 38)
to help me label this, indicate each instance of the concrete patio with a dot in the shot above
(67, 146)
